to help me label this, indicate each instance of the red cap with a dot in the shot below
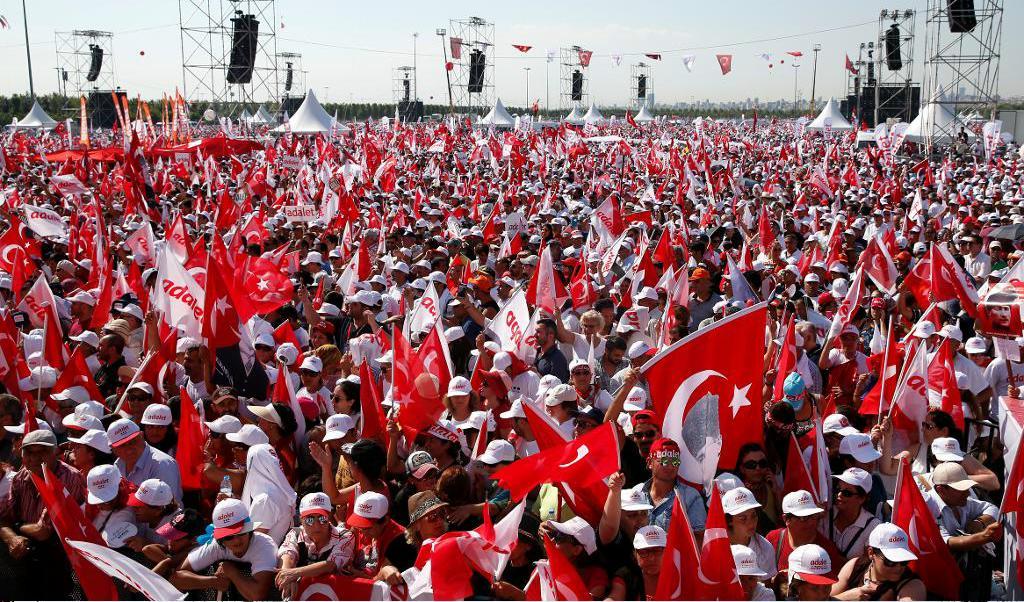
(825, 298)
(645, 417)
(664, 445)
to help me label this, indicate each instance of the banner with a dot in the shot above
(292, 162)
(178, 296)
(999, 313)
(44, 222)
(301, 213)
(514, 328)
(119, 566)
(68, 184)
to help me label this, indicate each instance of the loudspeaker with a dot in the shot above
(477, 63)
(577, 86)
(288, 77)
(102, 113)
(961, 16)
(95, 62)
(405, 90)
(892, 102)
(244, 28)
(893, 59)
(291, 104)
(641, 86)
(411, 111)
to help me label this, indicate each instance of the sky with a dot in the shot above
(349, 53)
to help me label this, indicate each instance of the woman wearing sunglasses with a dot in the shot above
(757, 474)
(882, 572)
(849, 523)
(316, 547)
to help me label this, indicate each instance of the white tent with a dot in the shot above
(35, 119)
(498, 116)
(262, 117)
(936, 120)
(593, 115)
(830, 118)
(643, 115)
(310, 118)
(246, 116)
(574, 117)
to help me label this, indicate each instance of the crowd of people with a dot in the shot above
(251, 403)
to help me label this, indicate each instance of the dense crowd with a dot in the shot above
(427, 360)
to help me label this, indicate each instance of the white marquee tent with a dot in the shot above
(830, 118)
(262, 116)
(35, 119)
(498, 117)
(310, 118)
(593, 115)
(643, 115)
(574, 117)
(937, 121)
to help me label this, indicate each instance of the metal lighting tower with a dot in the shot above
(814, 75)
(961, 62)
(894, 87)
(443, 33)
(570, 65)
(74, 58)
(206, 39)
(473, 37)
(641, 85)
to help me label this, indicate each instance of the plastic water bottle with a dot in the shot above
(225, 486)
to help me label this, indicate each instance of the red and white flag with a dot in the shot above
(584, 56)
(879, 266)
(68, 184)
(725, 62)
(691, 378)
(848, 306)
(133, 574)
(717, 573)
(178, 296)
(522, 47)
(142, 244)
(935, 564)
(39, 303)
(679, 564)
(546, 290)
(191, 437)
(942, 387)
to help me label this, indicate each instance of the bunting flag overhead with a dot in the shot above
(725, 62)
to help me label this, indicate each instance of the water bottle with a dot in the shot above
(225, 486)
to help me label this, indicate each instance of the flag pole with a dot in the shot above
(28, 51)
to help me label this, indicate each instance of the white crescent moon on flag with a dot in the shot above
(673, 424)
(582, 451)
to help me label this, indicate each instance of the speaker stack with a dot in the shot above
(245, 29)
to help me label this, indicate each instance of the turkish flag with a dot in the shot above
(630, 120)
(522, 47)
(575, 464)
(433, 355)
(568, 583)
(343, 587)
(191, 436)
(220, 320)
(725, 62)
(879, 266)
(70, 523)
(935, 564)
(1013, 498)
(787, 358)
(581, 288)
(764, 231)
(76, 374)
(370, 395)
(694, 372)
(798, 475)
(849, 65)
(877, 399)
(679, 579)
(946, 276)
(265, 287)
(584, 56)
(717, 573)
(416, 392)
(942, 382)
(546, 290)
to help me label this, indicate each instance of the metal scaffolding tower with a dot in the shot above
(74, 58)
(293, 76)
(573, 74)
(962, 59)
(471, 43)
(641, 86)
(894, 90)
(206, 39)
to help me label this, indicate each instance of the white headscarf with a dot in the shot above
(264, 475)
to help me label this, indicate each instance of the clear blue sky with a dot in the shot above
(319, 30)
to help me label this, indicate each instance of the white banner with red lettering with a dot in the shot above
(142, 243)
(178, 296)
(68, 184)
(44, 222)
(514, 328)
(133, 574)
(38, 301)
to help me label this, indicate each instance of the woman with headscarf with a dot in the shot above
(267, 493)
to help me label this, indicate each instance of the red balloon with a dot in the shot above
(142, 53)
(449, 66)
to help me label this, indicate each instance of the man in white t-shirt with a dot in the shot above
(248, 558)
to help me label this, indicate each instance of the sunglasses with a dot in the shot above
(309, 521)
(644, 434)
(846, 493)
(890, 563)
(580, 372)
(755, 464)
(669, 461)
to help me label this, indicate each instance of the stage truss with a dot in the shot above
(291, 61)
(569, 61)
(402, 80)
(206, 37)
(962, 69)
(864, 76)
(74, 57)
(636, 72)
(477, 35)
(903, 77)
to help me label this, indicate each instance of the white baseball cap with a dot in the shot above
(117, 534)
(501, 360)
(287, 353)
(976, 345)
(151, 492)
(77, 394)
(122, 431)
(950, 331)
(580, 530)
(923, 330)
(249, 435)
(459, 385)
(94, 438)
(810, 563)
(497, 451)
(329, 309)
(746, 562)
(892, 542)
(267, 412)
(837, 423)
(859, 446)
(800, 503)
(739, 500)
(369, 508)
(231, 517)
(515, 411)
(102, 482)
(81, 421)
(156, 414)
(312, 363)
(559, 394)
(856, 477)
(88, 337)
(315, 503)
(82, 297)
(650, 536)
(225, 424)
(947, 449)
(633, 500)
(953, 475)
(337, 426)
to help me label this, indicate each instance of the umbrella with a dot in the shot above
(1008, 232)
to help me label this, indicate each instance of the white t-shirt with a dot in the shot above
(524, 385)
(261, 556)
(836, 357)
(272, 516)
